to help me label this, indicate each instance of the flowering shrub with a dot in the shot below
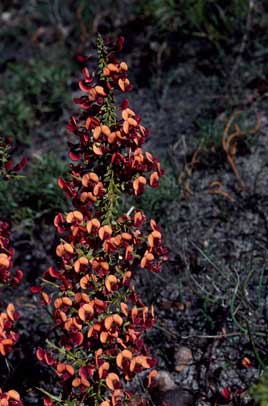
(99, 317)
(8, 337)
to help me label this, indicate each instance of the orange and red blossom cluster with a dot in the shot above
(99, 317)
(107, 136)
(6, 257)
(97, 310)
(10, 398)
(7, 171)
(8, 337)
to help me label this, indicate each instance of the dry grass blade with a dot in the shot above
(229, 142)
(216, 188)
(185, 176)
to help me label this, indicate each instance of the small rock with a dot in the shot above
(183, 357)
(167, 392)
(6, 16)
(164, 381)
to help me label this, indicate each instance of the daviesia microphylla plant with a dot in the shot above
(99, 317)
(8, 337)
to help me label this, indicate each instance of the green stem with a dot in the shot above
(108, 118)
(111, 197)
(256, 352)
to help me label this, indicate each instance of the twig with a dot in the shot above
(215, 336)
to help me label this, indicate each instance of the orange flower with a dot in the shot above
(99, 303)
(103, 369)
(134, 313)
(88, 178)
(125, 354)
(93, 91)
(85, 310)
(113, 136)
(74, 216)
(62, 301)
(45, 297)
(127, 116)
(95, 328)
(127, 276)
(139, 184)
(100, 90)
(62, 316)
(138, 157)
(105, 232)
(99, 130)
(72, 323)
(88, 123)
(154, 179)
(154, 238)
(110, 281)
(80, 382)
(148, 257)
(112, 381)
(112, 67)
(82, 297)
(149, 157)
(80, 263)
(116, 241)
(100, 266)
(10, 397)
(129, 252)
(138, 218)
(123, 84)
(64, 368)
(126, 113)
(139, 361)
(84, 282)
(104, 337)
(97, 149)
(92, 94)
(111, 319)
(246, 362)
(5, 344)
(87, 196)
(145, 313)
(98, 355)
(64, 248)
(11, 311)
(124, 308)
(98, 189)
(126, 237)
(153, 225)
(13, 395)
(93, 225)
(4, 261)
(151, 376)
(123, 66)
